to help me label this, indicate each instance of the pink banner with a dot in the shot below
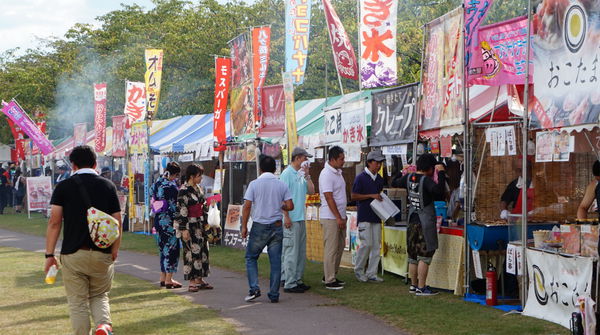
(261, 44)
(503, 46)
(119, 145)
(22, 120)
(100, 116)
(475, 13)
(79, 134)
(273, 115)
(343, 53)
(222, 80)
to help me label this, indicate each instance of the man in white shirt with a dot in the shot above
(333, 216)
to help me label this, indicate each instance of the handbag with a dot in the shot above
(214, 216)
(103, 228)
(158, 206)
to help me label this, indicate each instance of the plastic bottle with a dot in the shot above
(51, 275)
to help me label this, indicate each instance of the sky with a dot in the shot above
(23, 21)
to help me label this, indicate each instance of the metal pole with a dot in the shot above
(467, 148)
(419, 95)
(358, 46)
(525, 135)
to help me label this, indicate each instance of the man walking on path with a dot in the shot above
(366, 188)
(297, 178)
(264, 198)
(87, 270)
(421, 235)
(333, 216)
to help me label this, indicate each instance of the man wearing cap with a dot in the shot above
(297, 178)
(367, 187)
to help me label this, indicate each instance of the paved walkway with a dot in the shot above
(295, 313)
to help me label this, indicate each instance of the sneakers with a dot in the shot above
(412, 289)
(361, 277)
(341, 282)
(295, 289)
(274, 301)
(103, 329)
(426, 291)
(253, 295)
(334, 286)
(304, 287)
(376, 280)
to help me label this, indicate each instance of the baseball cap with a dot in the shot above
(375, 155)
(300, 151)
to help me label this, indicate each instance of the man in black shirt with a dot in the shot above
(421, 235)
(87, 270)
(510, 197)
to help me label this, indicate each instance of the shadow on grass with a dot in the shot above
(165, 321)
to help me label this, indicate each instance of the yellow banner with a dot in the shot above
(131, 201)
(395, 258)
(290, 112)
(154, 64)
(138, 139)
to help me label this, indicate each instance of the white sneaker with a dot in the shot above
(376, 279)
(361, 277)
(412, 289)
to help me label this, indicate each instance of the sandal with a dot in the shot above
(205, 286)
(193, 288)
(162, 284)
(172, 285)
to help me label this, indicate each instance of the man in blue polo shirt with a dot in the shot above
(366, 188)
(297, 178)
(266, 197)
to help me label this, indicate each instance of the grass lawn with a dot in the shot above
(442, 314)
(30, 306)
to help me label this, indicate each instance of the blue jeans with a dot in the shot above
(270, 236)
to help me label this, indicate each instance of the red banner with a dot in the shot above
(119, 148)
(100, 116)
(261, 42)
(343, 53)
(79, 134)
(222, 78)
(273, 111)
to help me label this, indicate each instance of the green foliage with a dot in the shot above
(55, 80)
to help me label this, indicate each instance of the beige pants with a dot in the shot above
(334, 241)
(87, 276)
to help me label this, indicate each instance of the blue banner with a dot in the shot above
(297, 31)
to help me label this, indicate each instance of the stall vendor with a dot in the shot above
(592, 192)
(511, 198)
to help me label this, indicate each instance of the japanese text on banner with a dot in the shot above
(290, 111)
(343, 52)
(79, 134)
(475, 13)
(242, 98)
(119, 146)
(135, 103)
(138, 139)
(378, 66)
(154, 66)
(100, 116)
(22, 120)
(394, 115)
(222, 78)
(261, 42)
(297, 31)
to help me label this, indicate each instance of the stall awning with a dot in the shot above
(197, 137)
(177, 130)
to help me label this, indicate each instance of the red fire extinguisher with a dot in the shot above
(491, 297)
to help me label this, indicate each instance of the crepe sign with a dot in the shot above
(503, 53)
(154, 66)
(565, 58)
(119, 146)
(343, 53)
(442, 104)
(261, 42)
(222, 80)
(135, 102)
(79, 134)
(138, 139)
(394, 115)
(100, 116)
(273, 111)
(377, 34)
(21, 120)
(242, 96)
(475, 13)
(290, 111)
(297, 31)
(555, 283)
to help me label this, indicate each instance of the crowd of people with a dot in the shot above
(276, 206)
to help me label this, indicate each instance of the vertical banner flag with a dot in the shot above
(290, 112)
(378, 43)
(273, 111)
(343, 52)
(138, 140)
(79, 134)
(119, 146)
(503, 46)
(222, 78)
(154, 65)
(475, 13)
(261, 43)
(242, 98)
(135, 102)
(297, 31)
(19, 137)
(100, 116)
(565, 59)
(442, 104)
(15, 113)
(394, 116)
